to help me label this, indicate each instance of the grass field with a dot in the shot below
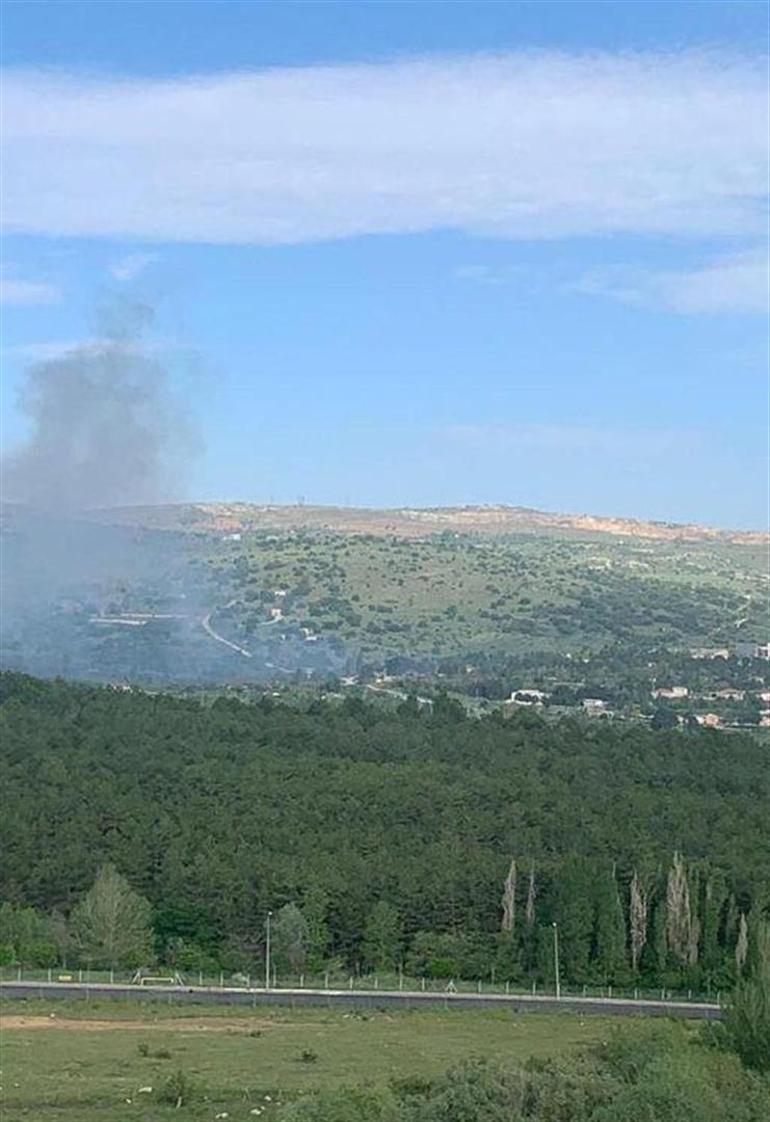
(77, 1062)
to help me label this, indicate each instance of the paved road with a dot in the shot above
(227, 995)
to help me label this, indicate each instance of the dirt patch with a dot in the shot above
(171, 1024)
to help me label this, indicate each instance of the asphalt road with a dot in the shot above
(227, 995)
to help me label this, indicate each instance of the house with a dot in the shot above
(709, 720)
(764, 720)
(671, 693)
(528, 697)
(730, 694)
(594, 705)
(753, 650)
(709, 652)
(763, 695)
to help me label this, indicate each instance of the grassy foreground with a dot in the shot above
(77, 1062)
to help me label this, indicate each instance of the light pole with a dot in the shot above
(267, 952)
(556, 958)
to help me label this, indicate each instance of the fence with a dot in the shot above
(336, 981)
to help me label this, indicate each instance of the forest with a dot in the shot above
(416, 839)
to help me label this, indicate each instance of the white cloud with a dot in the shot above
(521, 145)
(21, 292)
(129, 268)
(733, 284)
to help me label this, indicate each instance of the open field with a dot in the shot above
(77, 1062)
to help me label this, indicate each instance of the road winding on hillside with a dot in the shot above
(206, 625)
(230, 995)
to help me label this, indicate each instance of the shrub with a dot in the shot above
(178, 1090)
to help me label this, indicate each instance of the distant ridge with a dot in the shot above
(409, 522)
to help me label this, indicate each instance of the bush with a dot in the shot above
(745, 1029)
(357, 1105)
(178, 1090)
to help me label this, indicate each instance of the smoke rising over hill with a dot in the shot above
(105, 428)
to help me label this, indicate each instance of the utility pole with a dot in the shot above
(556, 958)
(267, 952)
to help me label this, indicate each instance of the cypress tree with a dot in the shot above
(574, 913)
(610, 962)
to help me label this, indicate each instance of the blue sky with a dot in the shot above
(411, 253)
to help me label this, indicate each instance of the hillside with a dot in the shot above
(145, 600)
(221, 517)
(220, 812)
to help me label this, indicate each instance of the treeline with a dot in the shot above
(426, 841)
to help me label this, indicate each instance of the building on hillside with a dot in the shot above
(729, 693)
(528, 697)
(671, 693)
(594, 705)
(709, 720)
(764, 720)
(709, 652)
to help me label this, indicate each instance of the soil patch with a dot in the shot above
(170, 1024)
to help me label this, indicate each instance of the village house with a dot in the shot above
(709, 720)
(594, 705)
(671, 693)
(528, 697)
(730, 694)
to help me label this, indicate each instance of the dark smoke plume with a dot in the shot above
(105, 429)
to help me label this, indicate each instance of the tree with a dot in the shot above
(609, 930)
(314, 909)
(382, 937)
(574, 911)
(746, 1025)
(26, 937)
(508, 902)
(111, 924)
(290, 939)
(682, 929)
(637, 919)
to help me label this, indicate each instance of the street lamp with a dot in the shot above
(556, 958)
(267, 952)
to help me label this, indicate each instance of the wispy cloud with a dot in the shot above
(22, 292)
(128, 268)
(521, 145)
(732, 284)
